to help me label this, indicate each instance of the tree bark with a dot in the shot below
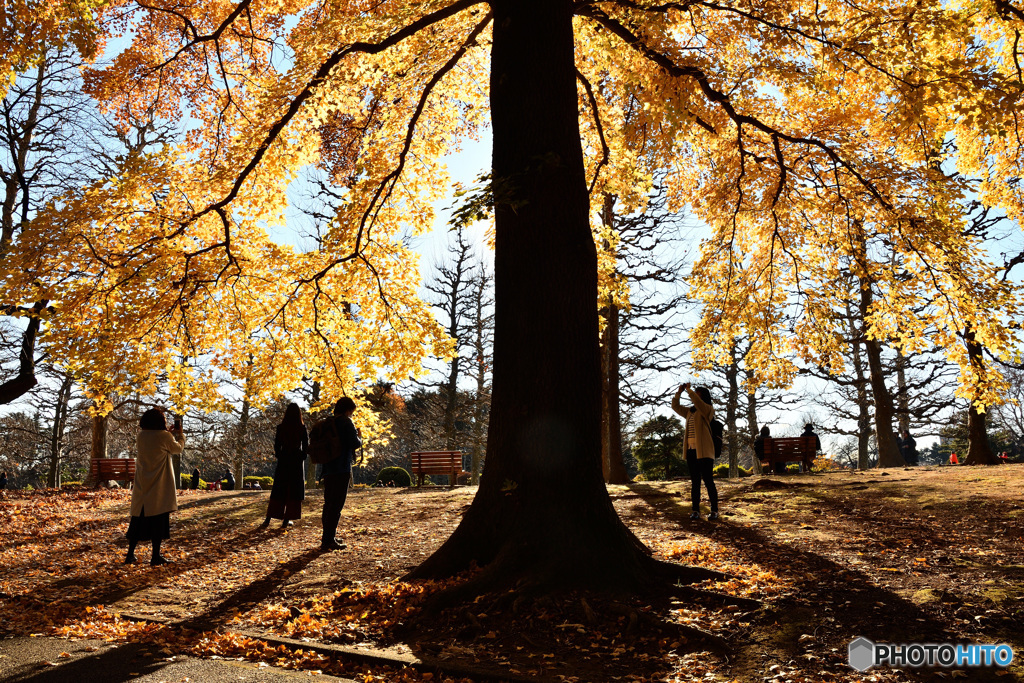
(60, 420)
(978, 450)
(611, 423)
(863, 400)
(755, 429)
(888, 452)
(25, 380)
(542, 518)
(732, 373)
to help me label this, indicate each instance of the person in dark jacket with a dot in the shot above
(809, 431)
(3, 481)
(291, 445)
(194, 484)
(908, 448)
(228, 483)
(766, 433)
(337, 473)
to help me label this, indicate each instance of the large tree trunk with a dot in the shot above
(542, 518)
(978, 450)
(888, 452)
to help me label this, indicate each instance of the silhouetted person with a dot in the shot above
(700, 447)
(809, 431)
(291, 444)
(229, 481)
(3, 480)
(194, 484)
(908, 448)
(337, 473)
(154, 492)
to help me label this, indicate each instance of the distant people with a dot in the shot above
(228, 481)
(700, 448)
(256, 486)
(194, 484)
(337, 473)
(3, 480)
(953, 460)
(291, 445)
(154, 493)
(908, 448)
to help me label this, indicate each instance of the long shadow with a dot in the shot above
(130, 661)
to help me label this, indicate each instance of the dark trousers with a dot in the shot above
(701, 468)
(335, 492)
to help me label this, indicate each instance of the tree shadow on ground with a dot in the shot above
(833, 601)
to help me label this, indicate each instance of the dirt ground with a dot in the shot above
(926, 555)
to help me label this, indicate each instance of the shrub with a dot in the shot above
(722, 471)
(393, 476)
(186, 482)
(794, 468)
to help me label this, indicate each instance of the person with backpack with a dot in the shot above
(291, 443)
(336, 473)
(699, 445)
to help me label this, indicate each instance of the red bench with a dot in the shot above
(112, 469)
(437, 462)
(800, 449)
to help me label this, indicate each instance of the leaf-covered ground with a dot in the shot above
(923, 555)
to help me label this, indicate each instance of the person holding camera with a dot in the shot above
(154, 491)
(700, 448)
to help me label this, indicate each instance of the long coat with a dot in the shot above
(703, 416)
(290, 451)
(155, 489)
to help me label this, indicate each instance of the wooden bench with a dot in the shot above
(112, 469)
(437, 462)
(800, 449)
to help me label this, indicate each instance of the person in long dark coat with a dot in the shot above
(291, 445)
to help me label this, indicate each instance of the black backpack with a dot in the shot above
(716, 436)
(324, 444)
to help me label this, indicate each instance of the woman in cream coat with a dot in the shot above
(700, 449)
(154, 492)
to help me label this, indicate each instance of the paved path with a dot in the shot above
(39, 660)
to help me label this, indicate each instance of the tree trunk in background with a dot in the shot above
(241, 443)
(732, 402)
(888, 452)
(611, 421)
(863, 399)
(611, 424)
(978, 450)
(755, 429)
(542, 518)
(98, 445)
(60, 421)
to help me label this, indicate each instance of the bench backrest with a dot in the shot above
(112, 468)
(797, 446)
(441, 461)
